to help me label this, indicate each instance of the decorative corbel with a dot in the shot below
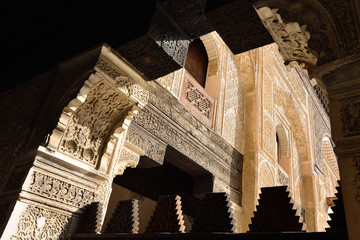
(291, 38)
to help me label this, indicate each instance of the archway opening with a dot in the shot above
(197, 61)
(282, 149)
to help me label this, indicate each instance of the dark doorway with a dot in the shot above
(178, 175)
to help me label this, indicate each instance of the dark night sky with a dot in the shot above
(36, 35)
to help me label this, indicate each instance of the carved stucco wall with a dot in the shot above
(296, 174)
(281, 99)
(229, 96)
(96, 139)
(284, 101)
(326, 172)
(94, 134)
(75, 167)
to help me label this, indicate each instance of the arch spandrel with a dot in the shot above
(266, 175)
(90, 125)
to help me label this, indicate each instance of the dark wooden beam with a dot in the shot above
(238, 24)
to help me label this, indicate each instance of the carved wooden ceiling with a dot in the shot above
(38, 35)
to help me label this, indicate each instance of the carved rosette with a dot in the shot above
(291, 38)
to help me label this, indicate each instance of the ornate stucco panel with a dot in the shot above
(38, 222)
(60, 190)
(88, 127)
(233, 106)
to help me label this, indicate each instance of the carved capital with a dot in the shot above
(127, 158)
(86, 132)
(291, 38)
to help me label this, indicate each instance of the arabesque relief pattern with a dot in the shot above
(86, 132)
(356, 182)
(152, 147)
(41, 223)
(168, 122)
(197, 99)
(60, 191)
(122, 81)
(233, 116)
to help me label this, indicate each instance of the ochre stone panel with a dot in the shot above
(268, 135)
(268, 93)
